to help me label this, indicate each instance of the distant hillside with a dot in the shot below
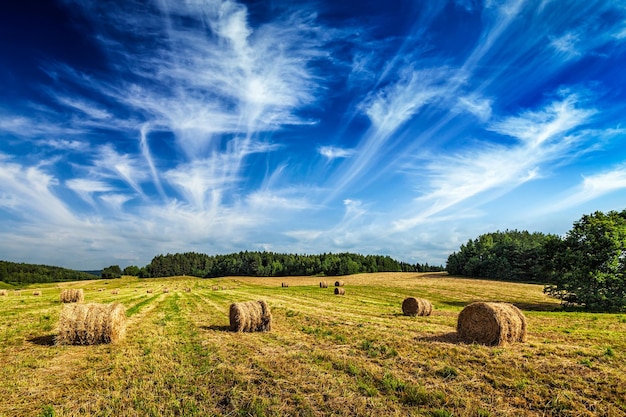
(21, 273)
(97, 273)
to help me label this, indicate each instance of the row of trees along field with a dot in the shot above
(587, 266)
(269, 264)
(21, 273)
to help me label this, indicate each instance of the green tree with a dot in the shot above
(589, 265)
(112, 271)
(131, 270)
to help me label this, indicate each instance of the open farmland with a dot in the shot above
(326, 355)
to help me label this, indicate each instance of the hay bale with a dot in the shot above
(166, 290)
(340, 291)
(187, 289)
(116, 291)
(36, 293)
(71, 295)
(215, 288)
(492, 324)
(101, 289)
(323, 284)
(251, 316)
(412, 306)
(4, 293)
(149, 291)
(339, 283)
(90, 324)
(284, 284)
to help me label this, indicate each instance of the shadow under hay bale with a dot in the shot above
(412, 306)
(340, 291)
(251, 316)
(323, 284)
(339, 283)
(492, 324)
(71, 295)
(91, 324)
(284, 284)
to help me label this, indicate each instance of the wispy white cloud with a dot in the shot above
(478, 106)
(64, 144)
(591, 188)
(333, 152)
(85, 188)
(566, 45)
(541, 139)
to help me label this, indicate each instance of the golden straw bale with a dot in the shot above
(340, 291)
(4, 293)
(166, 290)
(339, 283)
(187, 289)
(149, 291)
(71, 295)
(215, 288)
(90, 324)
(36, 293)
(284, 285)
(251, 316)
(412, 306)
(492, 324)
(115, 291)
(323, 284)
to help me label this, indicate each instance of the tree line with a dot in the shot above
(270, 264)
(21, 273)
(586, 267)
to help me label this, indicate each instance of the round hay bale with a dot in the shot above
(149, 291)
(412, 306)
(323, 284)
(215, 288)
(90, 324)
(4, 293)
(187, 289)
(116, 291)
(492, 324)
(250, 316)
(339, 283)
(36, 293)
(166, 290)
(71, 295)
(340, 291)
(284, 284)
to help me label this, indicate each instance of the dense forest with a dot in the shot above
(263, 264)
(586, 267)
(21, 273)
(269, 264)
(511, 255)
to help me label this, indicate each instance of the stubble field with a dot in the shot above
(326, 355)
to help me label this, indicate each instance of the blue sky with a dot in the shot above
(401, 128)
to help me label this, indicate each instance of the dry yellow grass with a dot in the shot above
(340, 356)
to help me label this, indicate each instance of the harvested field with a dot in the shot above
(356, 355)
